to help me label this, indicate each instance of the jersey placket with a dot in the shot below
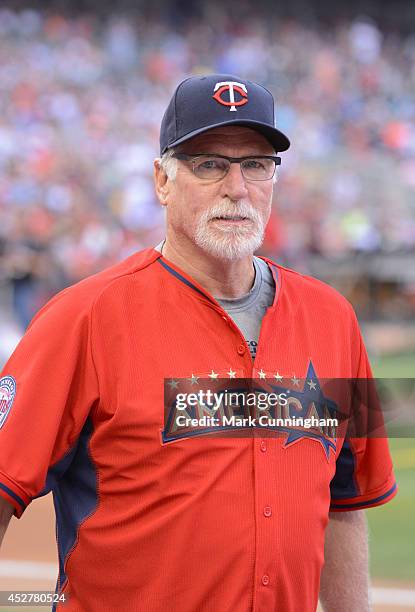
(266, 508)
(264, 471)
(264, 463)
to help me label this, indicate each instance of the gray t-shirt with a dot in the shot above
(248, 310)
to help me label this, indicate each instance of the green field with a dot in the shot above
(391, 527)
(394, 366)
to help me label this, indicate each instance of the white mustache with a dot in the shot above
(227, 208)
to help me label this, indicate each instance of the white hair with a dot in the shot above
(169, 164)
(276, 176)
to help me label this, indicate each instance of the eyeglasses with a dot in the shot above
(213, 167)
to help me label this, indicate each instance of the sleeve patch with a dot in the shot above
(7, 395)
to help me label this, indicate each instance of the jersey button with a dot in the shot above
(267, 511)
(265, 579)
(263, 446)
(241, 349)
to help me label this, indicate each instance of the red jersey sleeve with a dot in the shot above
(364, 473)
(47, 390)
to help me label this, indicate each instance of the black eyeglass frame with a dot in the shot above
(231, 160)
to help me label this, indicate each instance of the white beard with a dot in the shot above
(229, 242)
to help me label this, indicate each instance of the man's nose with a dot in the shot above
(233, 185)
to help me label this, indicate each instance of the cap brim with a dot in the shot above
(278, 140)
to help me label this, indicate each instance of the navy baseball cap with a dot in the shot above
(201, 103)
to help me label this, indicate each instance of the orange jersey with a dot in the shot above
(234, 524)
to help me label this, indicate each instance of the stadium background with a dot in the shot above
(82, 92)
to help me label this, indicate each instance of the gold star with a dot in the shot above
(231, 373)
(278, 376)
(213, 374)
(262, 374)
(295, 381)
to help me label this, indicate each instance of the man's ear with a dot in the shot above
(160, 182)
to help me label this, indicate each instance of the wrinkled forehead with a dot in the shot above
(228, 136)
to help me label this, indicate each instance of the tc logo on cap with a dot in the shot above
(232, 87)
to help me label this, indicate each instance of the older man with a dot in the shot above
(152, 516)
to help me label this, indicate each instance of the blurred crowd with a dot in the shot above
(81, 101)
